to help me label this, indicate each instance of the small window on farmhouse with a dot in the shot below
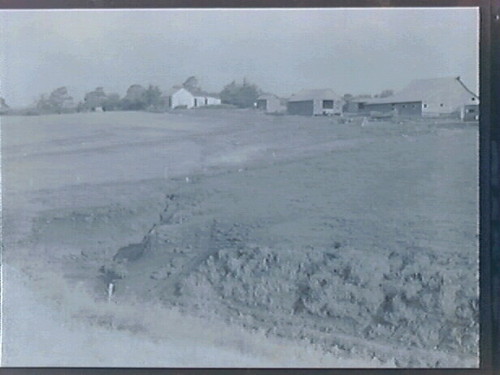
(471, 110)
(413, 105)
(473, 99)
(328, 104)
(425, 105)
(441, 105)
(404, 105)
(206, 101)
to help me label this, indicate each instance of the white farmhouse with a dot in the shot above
(180, 97)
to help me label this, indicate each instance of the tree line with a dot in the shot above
(138, 97)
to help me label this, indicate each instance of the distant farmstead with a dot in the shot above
(180, 97)
(315, 102)
(427, 97)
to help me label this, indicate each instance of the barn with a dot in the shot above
(180, 97)
(447, 96)
(270, 103)
(315, 102)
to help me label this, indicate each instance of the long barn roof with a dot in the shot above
(430, 90)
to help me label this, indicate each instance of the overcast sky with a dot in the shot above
(349, 50)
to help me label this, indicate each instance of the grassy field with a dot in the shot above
(348, 243)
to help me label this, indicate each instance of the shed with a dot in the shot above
(315, 102)
(203, 98)
(270, 103)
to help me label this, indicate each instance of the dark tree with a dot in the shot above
(58, 101)
(112, 102)
(152, 97)
(386, 93)
(135, 99)
(241, 95)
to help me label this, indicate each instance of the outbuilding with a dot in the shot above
(180, 97)
(270, 103)
(447, 96)
(315, 102)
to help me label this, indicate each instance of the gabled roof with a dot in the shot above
(267, 97)
(203, 93)
(312, 94)
(357, 99)
(177, 88)
(447, 89)
(173, 90)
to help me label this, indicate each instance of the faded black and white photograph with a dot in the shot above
(293, 188)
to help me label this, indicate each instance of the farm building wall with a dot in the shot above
(203, 101)
(305, 108)
(352, 107)
(261, 104)
(271, 105)
(401, 109)
(443, 107)
(319, 109)
(213, 101)
(315, 107)
(470, 112)
(329, 107)
(181, 98)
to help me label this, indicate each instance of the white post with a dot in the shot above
(111, 288)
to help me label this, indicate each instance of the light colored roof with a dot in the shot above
(203, 93)
(357, 99)
(267, 97)
(176, 88)
(311, 94)
(449, 89)
(173, 90)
